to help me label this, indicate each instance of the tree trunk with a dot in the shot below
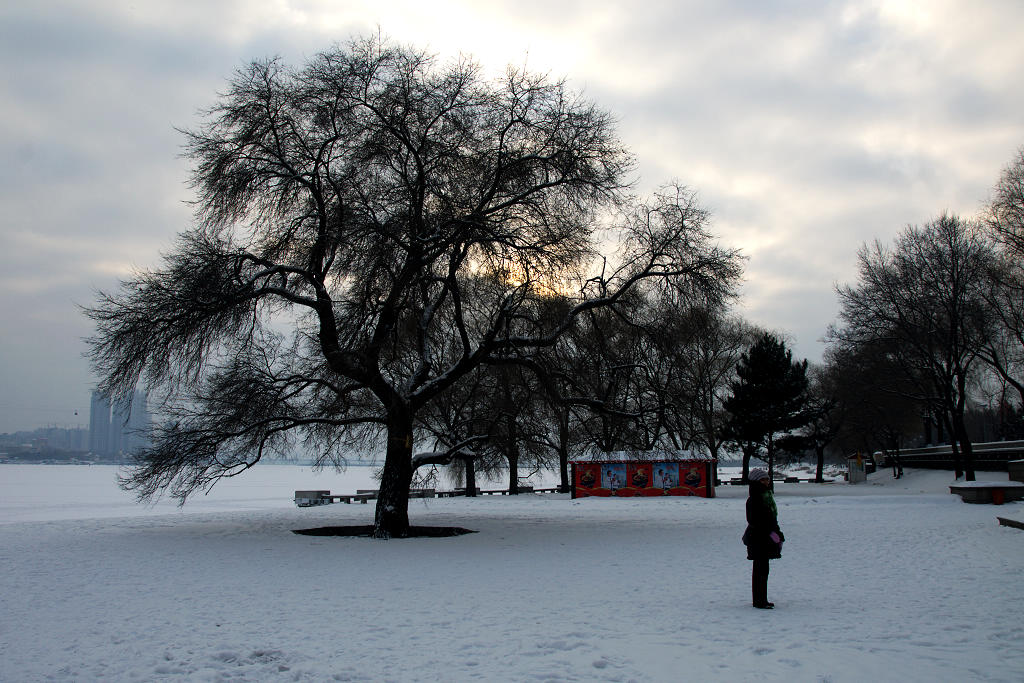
(966, 451)
(713, 449)
(392, 516)
(513, 470)
(954, 445)
(819, 472)
(470, 476)
(563, 451)
(897, 464)
(512, 453)
(960, 424)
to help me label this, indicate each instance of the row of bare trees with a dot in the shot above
(644, 375)
(933, 326)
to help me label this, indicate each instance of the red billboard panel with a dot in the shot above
(640, 478)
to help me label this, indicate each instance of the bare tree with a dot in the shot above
(1005, 213)
(825, 417)
(877, 407)
(664, 398)
(602, 358)
(459, 424)
(664, 366)
(1004, 222)
(924, 301)
(370, 229)
(712, 355)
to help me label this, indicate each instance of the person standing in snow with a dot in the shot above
(763, 537)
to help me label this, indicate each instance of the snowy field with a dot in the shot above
(883, 581)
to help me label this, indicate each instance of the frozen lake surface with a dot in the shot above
(888, 580)
(51, 492)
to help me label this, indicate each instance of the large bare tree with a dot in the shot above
(370, 229)
(924, 301)
(1004, 221)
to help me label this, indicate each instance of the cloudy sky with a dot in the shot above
(807, 127)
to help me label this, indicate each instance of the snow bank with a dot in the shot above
(886, 580)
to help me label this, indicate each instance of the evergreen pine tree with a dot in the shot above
(769, 399)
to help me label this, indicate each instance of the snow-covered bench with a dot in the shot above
(309, 498)
(413, 493)
(504, 492)
(997, 492)
(319, 497)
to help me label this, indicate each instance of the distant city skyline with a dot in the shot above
(58, 438)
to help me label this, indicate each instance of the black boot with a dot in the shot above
(759, 589)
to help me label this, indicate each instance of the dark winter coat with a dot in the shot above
(762, 520)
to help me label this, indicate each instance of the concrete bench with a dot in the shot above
(338, 498)
(348, 498)
(309, 498)
(994, 492)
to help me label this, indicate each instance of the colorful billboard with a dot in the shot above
(638, 478)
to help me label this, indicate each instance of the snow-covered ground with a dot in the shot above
(884, 581)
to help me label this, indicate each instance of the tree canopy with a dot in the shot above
(371, 229)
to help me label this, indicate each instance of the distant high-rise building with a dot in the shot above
(120, 429)
(99, 425)
(118, 420)
(135, 433)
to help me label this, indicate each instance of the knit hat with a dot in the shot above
(757, 474)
